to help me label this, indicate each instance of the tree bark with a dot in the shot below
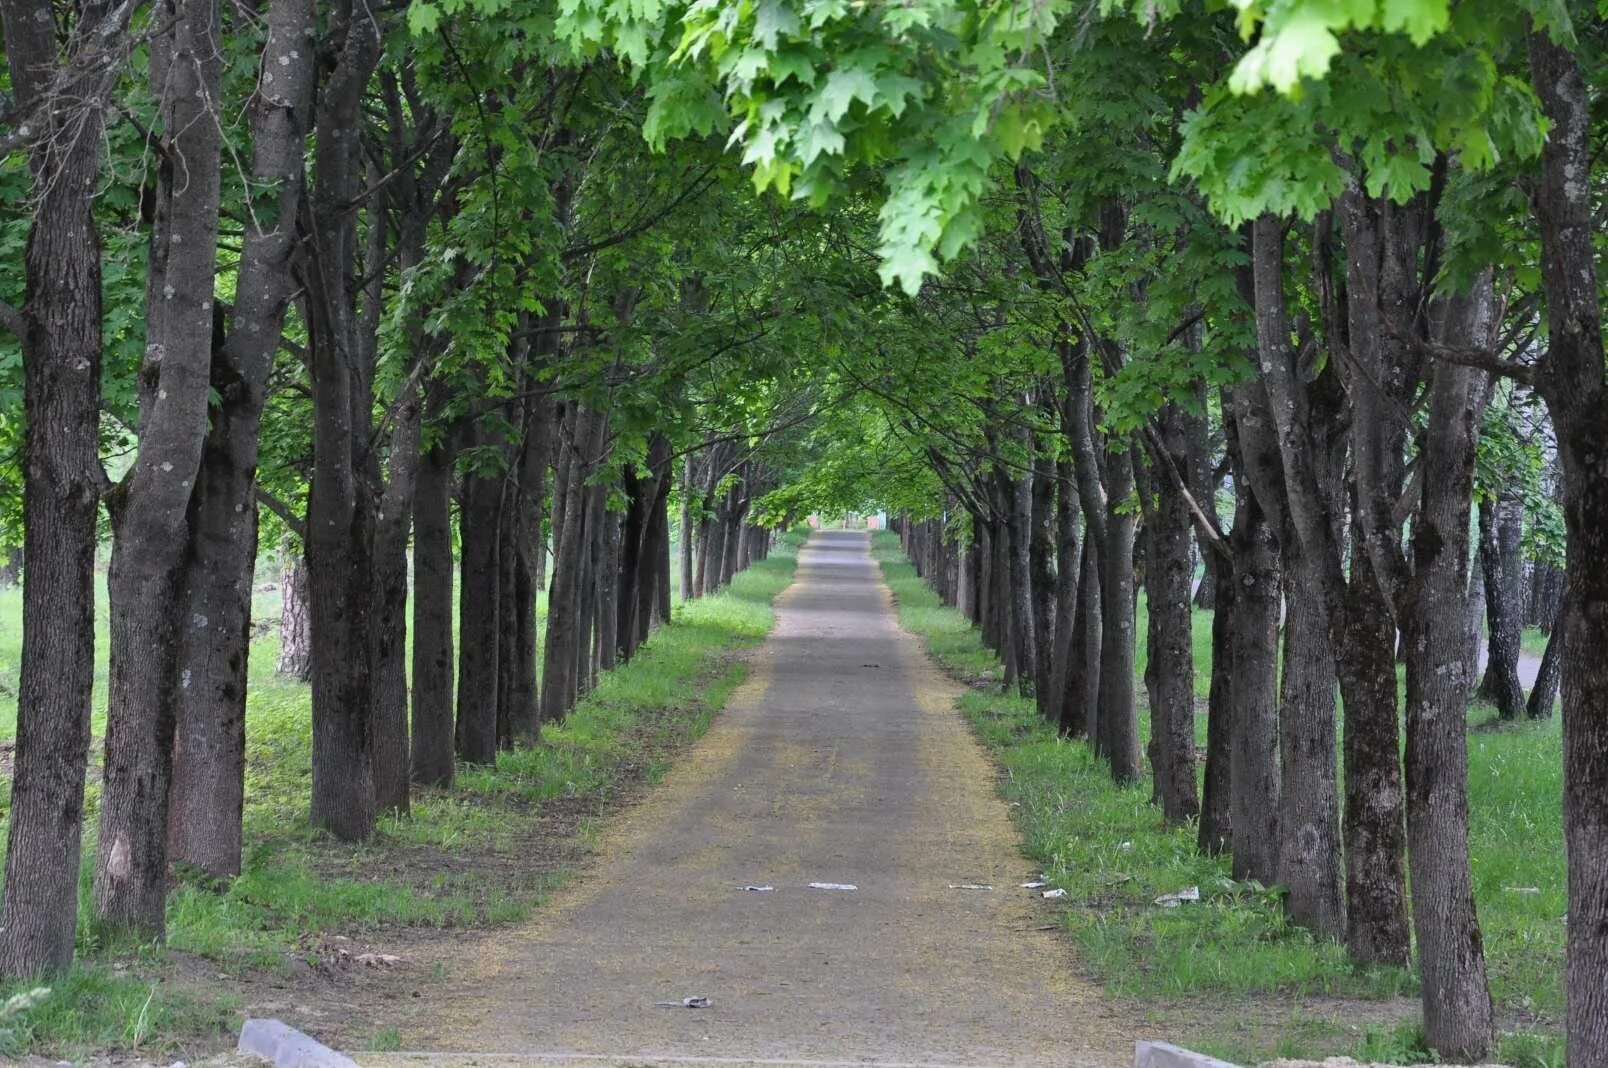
(61, 353)
(1309, 810)
(392, 527)
(1458, 1021)
(433, 752)
(295, 633)
(1503, 563)
(1216, 832)
(1474, 623)
(1375, 834)
(1171, 628)
(1282, 428)
(1119, 712)
(523, 698)
(1068, 562)
(654, 541)
(1254, 787)
(480, 615)
(1042, 555)
(209, 758)
(341, 506)
(1544, 694)
(684, 532)
(608, 591)
(1083, 699)
(562, 653)
(1570, 379)
(150, 508)
(1546, 596)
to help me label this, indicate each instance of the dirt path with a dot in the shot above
(840, 760)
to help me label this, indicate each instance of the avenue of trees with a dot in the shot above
(469, 300)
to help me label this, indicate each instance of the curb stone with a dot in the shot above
(286, 1047)
(1166, 1055)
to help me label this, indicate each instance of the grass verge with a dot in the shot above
(484, 853)
(1108, 846)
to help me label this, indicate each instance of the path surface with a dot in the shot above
(841, 759)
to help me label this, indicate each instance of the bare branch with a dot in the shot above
(1484, 359)
(282, 510)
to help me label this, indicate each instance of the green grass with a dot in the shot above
(299, 886)
(1109, 847)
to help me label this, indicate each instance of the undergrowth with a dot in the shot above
(1110, 849)
(299, 887)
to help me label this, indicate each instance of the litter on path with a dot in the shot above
(1036, 884)
(833, 886)
(1052, 895)
(969, 886)
(684, 1003)
(1172, 901)
(760, 889)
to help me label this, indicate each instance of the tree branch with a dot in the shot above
(282, 510)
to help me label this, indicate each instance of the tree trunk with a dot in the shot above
(1503, 564)
(1309, 808)
(1216, 822)
(341, 505)
(1083, 700)
(1119, 713)
(634, 570)
(685, 530)
(1281, 421)
(593, 565)
(433, 756)
(149, 509)
(1171, 663)
(1546, 596)
(1068, 561)
(1254, 804)
(608, 591)
(654, 543)
(1474, 623)
(209, 758)
(562, 652)
(661, 603)
(507, 613)
(61, 353)
(705, 524)
(1458, 1020)
(517, 693)
(1017, 493)
(392, 528)
(1570, 379)
(1375, 835)
(1544, 694)
(1042, 553)
(480, 620)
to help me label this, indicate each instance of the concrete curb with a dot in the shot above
(285, 1047)
(1166, 1055)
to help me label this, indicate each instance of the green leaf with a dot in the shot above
(822, 139)
(423, 18)
(1301, 46)
(1419, 19)
(907, 265)
(771, 21)
(843, 87)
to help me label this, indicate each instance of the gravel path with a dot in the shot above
(840, 760)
